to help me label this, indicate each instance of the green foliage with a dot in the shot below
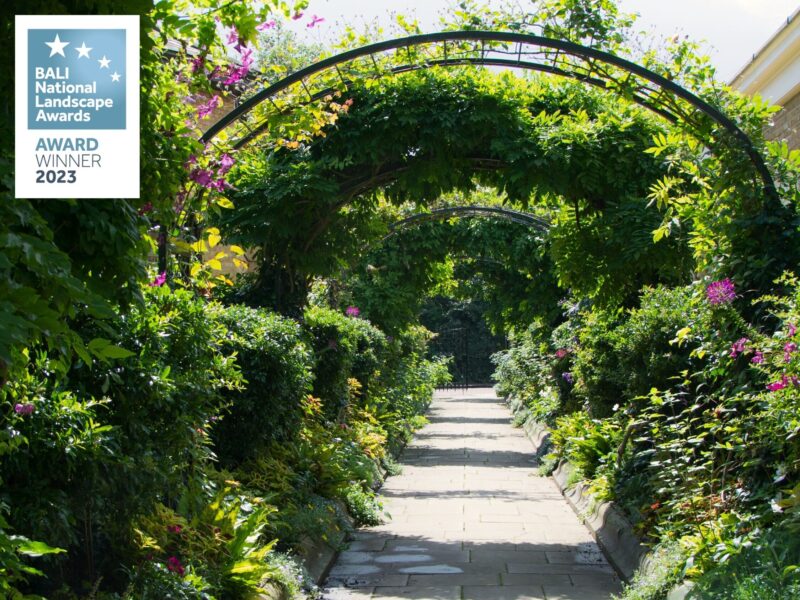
(344, 348)
(766, 568)
(622, 357)
(662, 571)
(587, 444)
(364, 506)
(276, 364)
(424, 134)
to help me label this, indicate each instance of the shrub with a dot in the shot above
(620, 358)
(276, 364)
(344, 348)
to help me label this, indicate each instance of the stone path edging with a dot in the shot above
(610, 529)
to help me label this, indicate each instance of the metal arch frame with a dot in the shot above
(568, 48)
(437, 214)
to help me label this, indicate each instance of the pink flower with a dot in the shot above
(788, 349)
(297, 15)
(315, 20)
(206, 109)
(24, 409)
(226, 161)
(738, 347)
(174, 528)
(352, 311)
(233, 36)
(792, 329)
(174, 565)
(266, 25)
(778, 385)
(561, 352)
(721, 292)
(160, 280)
(758, 358)
(783, 383)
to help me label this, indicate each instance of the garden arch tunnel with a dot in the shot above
(489, 48)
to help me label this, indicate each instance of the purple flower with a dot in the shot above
(160, 280)
(758, 358)
(721, 292)
(233, 36)
(197, 63)
(792, 329)
(24, 408)
(226, 161)
(206, 109)
(146, 208)
(266, 25)
(567, 376)
(202, 177)
(788, 349)
(352, 311)
(738, 347)
(297, 15)
(315, 20)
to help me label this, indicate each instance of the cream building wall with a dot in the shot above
(774, 74)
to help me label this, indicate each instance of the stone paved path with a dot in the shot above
(471, 519)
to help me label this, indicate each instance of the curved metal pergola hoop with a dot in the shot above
(440, 214)
(493, 51)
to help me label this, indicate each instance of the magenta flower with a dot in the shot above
(561, 352)
(146, 208)
(721, 292)
(778, 385)
(206, 109)
(758, 358)
(237, 73)
(788, 349)
(202, 177)
(266, 25)
(315, 20)
(352, 311)
(160, 280)
(567, 376)
(24, 408)
(738, 347)
(226, 161)
(174, 565)
(792, 329)
(297, 15)
(233, 37)
(174, 528)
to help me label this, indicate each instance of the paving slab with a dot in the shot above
(470, 518)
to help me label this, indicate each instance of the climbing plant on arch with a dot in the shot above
(416, 136)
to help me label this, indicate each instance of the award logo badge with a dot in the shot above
(77, 106)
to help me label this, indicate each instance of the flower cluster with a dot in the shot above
(352, 311)
(24, 408)
(721, 292)
(174, 565)
(783, 383)
(160, 280)
(738, 347)
(213, 176)
(568, 377)
(204, 110)
(561, 353)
